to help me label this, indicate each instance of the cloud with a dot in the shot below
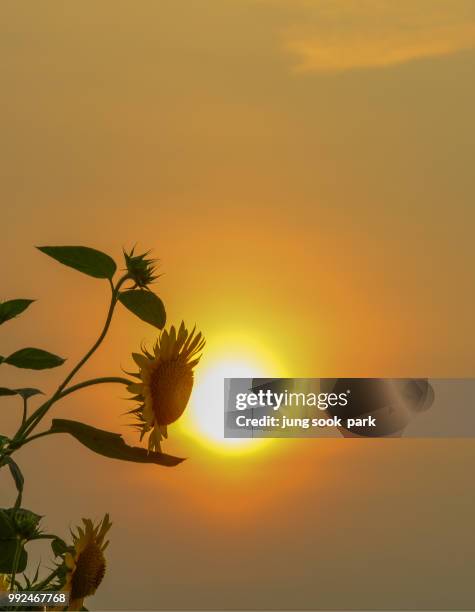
(339, 35)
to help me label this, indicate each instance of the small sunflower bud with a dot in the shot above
(25, 523)
(141, 270)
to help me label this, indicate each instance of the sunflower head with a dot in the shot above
(86, 565)
(4, 583)
(165, 381)
(141, 269)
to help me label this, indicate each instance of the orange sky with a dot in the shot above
(304, 171)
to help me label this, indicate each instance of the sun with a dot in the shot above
(205, 415)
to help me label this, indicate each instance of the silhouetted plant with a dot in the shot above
(162, 388)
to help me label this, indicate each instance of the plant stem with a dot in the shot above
(25, 408)
(18, 500)
(92, 350)
(94, 381)
(16, 558)
(44, 536)
(47, 580)
(72, 389)
(30, 423)
(38, 435)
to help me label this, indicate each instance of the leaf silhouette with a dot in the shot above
(145, 305)
(89, 261)
(12, 308)
(33, 359)
(110, 444)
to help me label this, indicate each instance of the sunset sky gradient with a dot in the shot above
(304, 171)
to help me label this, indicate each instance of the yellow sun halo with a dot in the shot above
(205, 415)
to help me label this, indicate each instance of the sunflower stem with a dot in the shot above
(44, 536)
(94, 381)
(92, 350)
(44, 583)
(25, 408)
(18, 500)
(31, 422)
(68, 391)
(48, 432)
(16, 559)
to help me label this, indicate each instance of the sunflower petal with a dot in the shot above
(192, 364)
(141, 360)
(103, 527)
(135, 388)
(181, 337)
(134, 374)
(172, 336)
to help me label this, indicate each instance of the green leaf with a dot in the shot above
(7, 530)
(34, 359)
(28, 392)
(8, 542)
(25, 393)
(16, 474)
(59, 547)
(145, 305)
(110, 444)
(86, 260)
(7, 555)
(12, 308)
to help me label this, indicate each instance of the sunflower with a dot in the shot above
(166, 381)
(86, 565)
(4, 583)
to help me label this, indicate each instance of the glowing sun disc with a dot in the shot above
(205, 415)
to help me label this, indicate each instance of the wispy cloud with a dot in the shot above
(339, 35)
